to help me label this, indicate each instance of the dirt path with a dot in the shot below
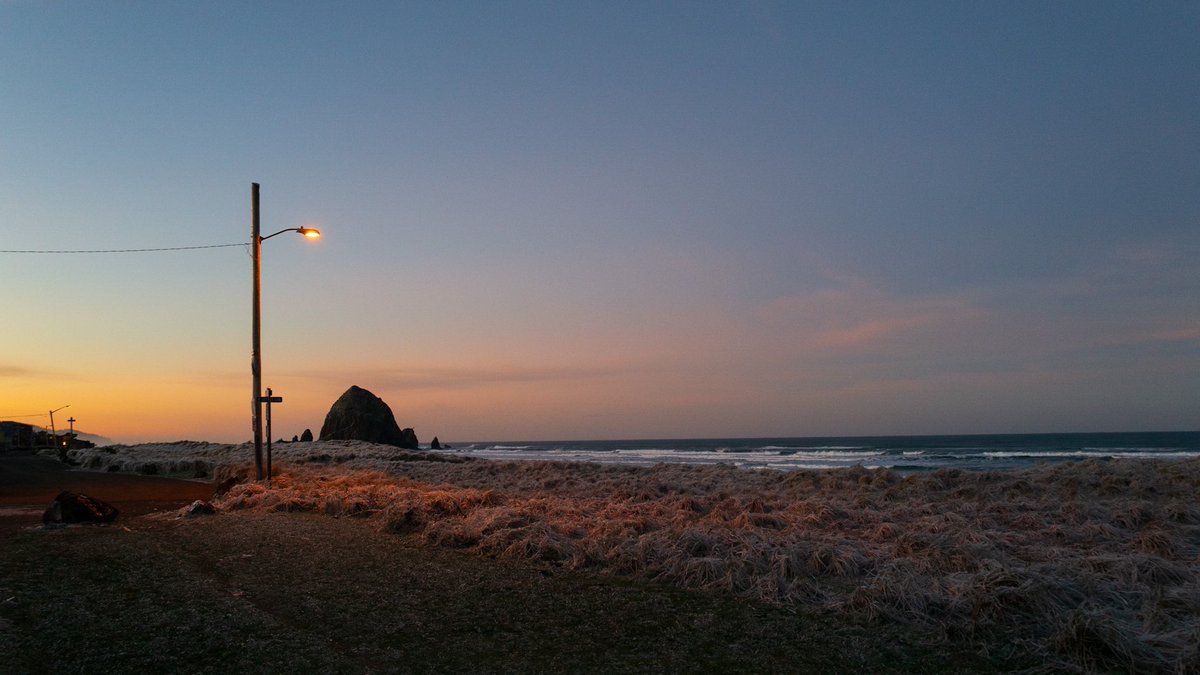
(293, 592)
(28, 483)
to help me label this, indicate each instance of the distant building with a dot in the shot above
(18, 435)
(15, 435)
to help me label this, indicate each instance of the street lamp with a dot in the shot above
(256, 351)
(62, 454)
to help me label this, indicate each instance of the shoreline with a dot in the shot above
(904, 454)
(910, 454)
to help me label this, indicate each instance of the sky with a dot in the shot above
(603, 220)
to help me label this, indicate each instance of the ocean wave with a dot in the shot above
(1123, 454)
(901, 453)
(796, 466)
(1155, 451)
(843, 453)
(812, 447)
(911, 468)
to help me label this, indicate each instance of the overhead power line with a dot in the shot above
(129, 250)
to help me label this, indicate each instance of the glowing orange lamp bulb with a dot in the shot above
(310, 232)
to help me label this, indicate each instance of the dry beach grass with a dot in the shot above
(1089, 566)
(246, 591)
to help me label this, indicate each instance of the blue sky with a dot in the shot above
(588, 220)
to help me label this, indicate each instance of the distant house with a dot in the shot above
(16, 435)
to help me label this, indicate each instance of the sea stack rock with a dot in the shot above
(435, 444)
(359, 415)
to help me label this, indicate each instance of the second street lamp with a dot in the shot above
(256, 402)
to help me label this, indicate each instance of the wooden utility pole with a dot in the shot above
(257, 399)
(269, 399)
(256, 339)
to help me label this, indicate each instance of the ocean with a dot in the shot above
(907, 454)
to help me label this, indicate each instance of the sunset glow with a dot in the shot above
(579, 220)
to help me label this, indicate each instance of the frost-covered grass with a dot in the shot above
(198, 459)
(279, 593)
(1092, 565)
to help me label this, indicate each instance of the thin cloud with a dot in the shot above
(19, 372)
(220, 377)
(858, 316)
(1181, 334)
(11, 372)
(465, 377)
(434, 377)
(1188, 334)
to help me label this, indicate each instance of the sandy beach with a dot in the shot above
(1084, 566)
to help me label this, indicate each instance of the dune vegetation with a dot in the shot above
(1092, 565)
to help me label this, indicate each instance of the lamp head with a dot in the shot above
(309, 232)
